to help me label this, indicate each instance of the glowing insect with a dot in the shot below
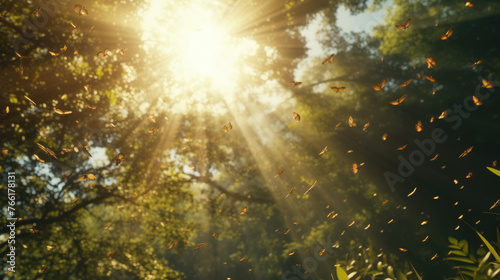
(355, 168)
(365, 127)
(337, 89)
(199, 246)
(293, 83)
(398, 101)
(47, 150)
(419, 127)
(402, 147)
(67, 176)
(325, 149)
(38, 12)
(38, 158)
(102, 53)
(87, 176)
(31, 101)
(83, 148)
(469, 4)
(412, 192)
(227, 127)
(405, 25)
(328, 59)
(477, 101)
(153, 129)
(475, 63)
(466, 152)
(384, 137)
(110, 253)
(62, 112)
(447, 35)
(487, 84)
(405, 84)
(120, 158)
(431, 62)
(496, 204)
(430, 78)
(278, 174)
(296, 116)
(351, 122)
(311, 187)
(80, 10)
(243, 211)
(380, 85)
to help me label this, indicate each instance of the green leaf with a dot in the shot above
(341, 274)
(13, 99)
(458, 253)
(112, 97)
(495, 171)
(492, 250)
(465, 246)
(456, 247)
(390, 271)
(498, 214)
(416, 273)
(468, 273)
(452, 240)
(468, 267)
(400, 276)
(459, 259)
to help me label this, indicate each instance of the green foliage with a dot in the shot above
(473, 265)
(493, 170)
(184, 182)
(340, 273)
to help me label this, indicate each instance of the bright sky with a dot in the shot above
(363, 22)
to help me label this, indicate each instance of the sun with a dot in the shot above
(193, 43)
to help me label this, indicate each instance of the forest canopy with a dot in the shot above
(234, 139)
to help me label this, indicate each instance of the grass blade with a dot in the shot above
(492, 250)
(495, 171)
(416, 273)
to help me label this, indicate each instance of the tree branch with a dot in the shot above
(235, 196)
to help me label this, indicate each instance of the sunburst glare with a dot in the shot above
(195, 45)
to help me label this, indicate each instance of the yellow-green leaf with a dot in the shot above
(458, 253)
(341, 274)
(495, 171)
(452, 240)
(416, 273)
(464, 245)
(492, 250)
(459, 259)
